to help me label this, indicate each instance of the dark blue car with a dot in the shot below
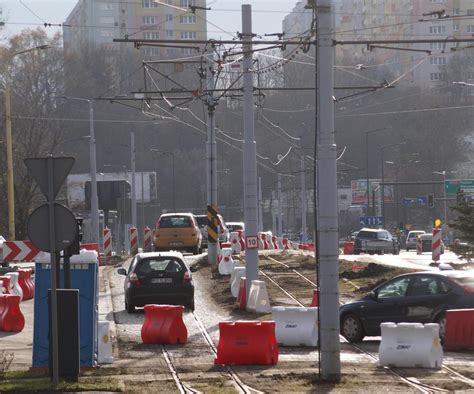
(420, 297)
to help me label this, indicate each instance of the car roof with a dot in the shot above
(426, 236)
(417, 231)
(170, 253)
(176, 214)
(375, 230)
(235, 223)
(448, 273)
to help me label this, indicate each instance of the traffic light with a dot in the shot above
(74, 248)
(430, 200)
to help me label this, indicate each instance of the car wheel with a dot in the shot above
(130, 308)
(351, 328)
(441, 320)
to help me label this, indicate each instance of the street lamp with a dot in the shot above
(93, 168)
(9, 144)
(174, 186)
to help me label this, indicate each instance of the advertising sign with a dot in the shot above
(359, 191)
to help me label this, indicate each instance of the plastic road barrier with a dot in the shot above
(296, 326)
(7, 287)
(459, 329)
(11, 318)
(107, 237)
(258, 298)
(147, 239)
(164, 325)
(237, 273)
(247, 343)
(234, 242)
(242, 296)
(419, 245)
(29, 280)
(241, 239)
(436, 244)
(348, 247)
(133, 236)
(226, 264)
(104, 352)
(15, 289)
(23, 283)
(286, 243)
(2, 289)
(275, 242)
(410, 345)
(315, 301)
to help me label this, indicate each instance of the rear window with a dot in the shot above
(151, 266)
(201, 221)
(235, 227)
(467, 281)
(175, 221)
(367, 234)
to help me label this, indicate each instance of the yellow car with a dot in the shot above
(178, 231)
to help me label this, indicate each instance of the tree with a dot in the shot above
(464, 224)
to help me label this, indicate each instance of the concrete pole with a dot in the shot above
(303, 201)
(249, 148)
(327, 196)
(10, 179)
(94, 198)
(280, 213)
(134, 189)
(211, 153)
(260, 203)
(382, 201)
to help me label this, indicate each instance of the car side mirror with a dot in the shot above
(122, 271)
(193, 268)
(373, 295)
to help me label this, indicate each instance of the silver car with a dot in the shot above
(411, 239)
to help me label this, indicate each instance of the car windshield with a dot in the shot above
(175, 221)
(201, 220)
(235, 227)
(151, 266)
(367, 234)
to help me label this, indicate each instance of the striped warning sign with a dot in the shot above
(212, 221)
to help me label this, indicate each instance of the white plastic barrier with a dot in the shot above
(410, 345)
(296, 326)
(269, 236)
(104, 354)
(2, 289)
(15, 286)
(258, 300)
(235, 242)
(226, 264)
(237, 273)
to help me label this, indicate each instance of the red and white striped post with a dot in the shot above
(133, 235)
(419, 245)
(107, 238)
(436, 244)
(147, 239)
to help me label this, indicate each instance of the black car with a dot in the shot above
(156, 278)
(420, 297)
(375, 241)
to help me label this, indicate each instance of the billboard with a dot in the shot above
(359, 191)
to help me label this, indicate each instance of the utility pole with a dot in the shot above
(260, 207)
(280, 224)
(303, 201)
(249, 149)
(328, 255)
(211, 158)
(134, 192)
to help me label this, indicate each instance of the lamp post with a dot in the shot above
(172, 157)
(367, 163)
(93, 168)
(9, 144)
(445, 206)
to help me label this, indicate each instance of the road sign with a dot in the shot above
(422, 200)
(38, 168)
(19, 251)
(251, 242)
(451, 186)
(371, 220)
(65, 227)
(409, 201)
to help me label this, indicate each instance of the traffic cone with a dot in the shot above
(355, 267)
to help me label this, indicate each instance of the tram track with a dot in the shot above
(397, 372)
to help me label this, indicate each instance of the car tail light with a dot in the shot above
(134, 280)
(187, 277)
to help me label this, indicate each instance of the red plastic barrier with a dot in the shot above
(30, 281)
(11, 318)
(241, 240)
(348, 247)
(247, 343)
(226, 245)
(6, 284)
(285, 242)
(242, 296)
(315, 301)
(266, 245)
(459, 329)
(164, 325)
(22, 282)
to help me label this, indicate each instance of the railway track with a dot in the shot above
(397, 372)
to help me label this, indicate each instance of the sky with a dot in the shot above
(225, 15)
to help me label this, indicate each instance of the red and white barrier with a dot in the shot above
(241, 240)
(235, 242)
(275, 242)
(164, 325)
(7, 286)
(459, 329)
(19, 251)
(226, 263)
(133, 236)
(436, 244)
(258, 301)
(147, 239)
(16, 288)
(107, 237)
(419, 245)
(235, 276)
(11, 318)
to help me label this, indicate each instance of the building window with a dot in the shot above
(187, 3)
(470, 28)
(169, 33)
(148, 20)
(455, 26)
(437, 45)
(470, 75)
(151, 35)
(107, 33)
(152, 51)
(437, 29)
(456, 11)
(107, 20)
(188, 51)
(436, 77)
(438, 61)
(470, 12)
(187, 19)
(149, 4)
(188, 35)
(169, 17)
(106, 7)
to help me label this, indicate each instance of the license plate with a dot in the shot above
(162, 280)
(176, 243)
